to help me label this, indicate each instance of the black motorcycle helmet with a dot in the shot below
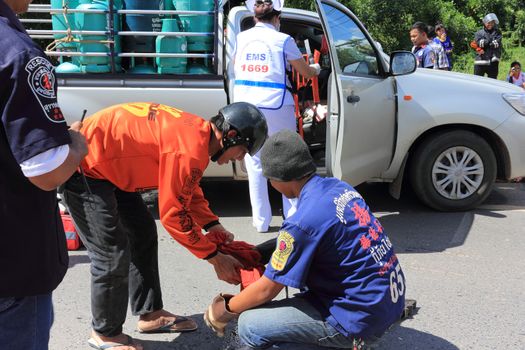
(247, 120)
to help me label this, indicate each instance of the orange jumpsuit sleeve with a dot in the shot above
(200, 209)
(179, 176)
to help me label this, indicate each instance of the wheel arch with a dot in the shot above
(496, 144)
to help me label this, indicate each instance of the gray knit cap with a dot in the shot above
(285, 157)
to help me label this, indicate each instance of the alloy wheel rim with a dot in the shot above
(457, 173)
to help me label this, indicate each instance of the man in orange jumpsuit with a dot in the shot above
(138, 146)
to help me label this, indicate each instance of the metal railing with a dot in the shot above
(128, 54)
(111, 33)
(121, 33)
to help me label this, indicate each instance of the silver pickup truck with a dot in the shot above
(450, 135)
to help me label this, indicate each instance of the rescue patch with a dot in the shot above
(282, 251)
(41, 80)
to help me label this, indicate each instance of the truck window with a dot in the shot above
(354, 51)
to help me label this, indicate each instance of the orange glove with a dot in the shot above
(475, 46)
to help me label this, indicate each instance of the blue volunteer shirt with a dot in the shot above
(335, 248)
(447, 46)
(426, 57)
(33, 256)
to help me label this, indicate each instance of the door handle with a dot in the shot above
(353, 98)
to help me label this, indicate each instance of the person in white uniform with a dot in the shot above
(262, 57)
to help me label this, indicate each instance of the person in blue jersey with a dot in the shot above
(440, 54)
(263, 56)
(444, 40)
(333, 249)
(38, 152)
(425, 53)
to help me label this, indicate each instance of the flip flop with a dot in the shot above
(168, 327)
(109, 344)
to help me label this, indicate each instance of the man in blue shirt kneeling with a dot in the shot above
(333, 249)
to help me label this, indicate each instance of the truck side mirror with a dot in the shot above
(402, 62)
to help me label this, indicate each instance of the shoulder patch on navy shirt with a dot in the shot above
(282, 251)
(41, 80)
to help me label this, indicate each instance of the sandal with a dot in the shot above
(173, 326)
(108, 345)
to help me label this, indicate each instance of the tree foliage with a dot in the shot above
(389, 21)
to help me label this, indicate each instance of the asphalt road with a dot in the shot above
(466, 271)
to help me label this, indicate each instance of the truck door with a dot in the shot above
(361, 101)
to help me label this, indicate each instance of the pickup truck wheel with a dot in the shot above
(453, 171)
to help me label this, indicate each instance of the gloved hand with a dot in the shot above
(482, 43)
(217, 315)
(495, 44)
(317, 68)
(219, 227)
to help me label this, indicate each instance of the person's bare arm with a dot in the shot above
(304, 69)
(226, 307)
(257, 293)
(77, 151)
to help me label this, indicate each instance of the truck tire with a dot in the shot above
(453, 171)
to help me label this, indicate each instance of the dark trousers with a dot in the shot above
(491, 70)
(121, 238)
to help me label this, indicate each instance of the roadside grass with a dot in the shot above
(465, 63)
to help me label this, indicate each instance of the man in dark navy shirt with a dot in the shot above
(37, 154)
(425, 55)
(333, 249)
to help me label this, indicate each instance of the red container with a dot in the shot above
(72, 239)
